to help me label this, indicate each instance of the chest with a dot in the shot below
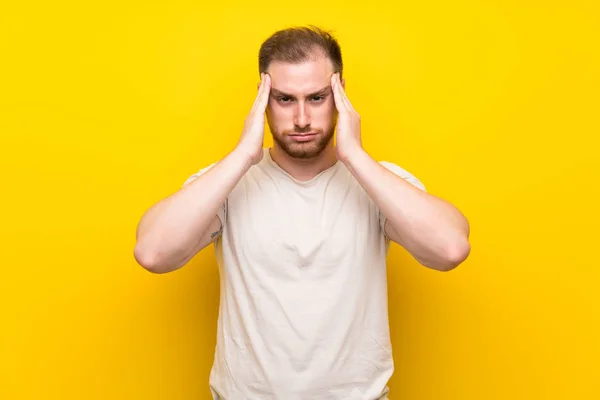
(297, 232)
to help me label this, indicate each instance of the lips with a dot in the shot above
(303, 137)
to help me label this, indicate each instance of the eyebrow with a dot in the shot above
(326, 90)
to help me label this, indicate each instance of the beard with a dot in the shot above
(303, 150)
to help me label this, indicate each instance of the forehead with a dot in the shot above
(301, 78)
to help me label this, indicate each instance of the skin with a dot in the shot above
(430, 228)
(301, 101)
(301, 98)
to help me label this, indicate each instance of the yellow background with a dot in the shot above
(107, 107)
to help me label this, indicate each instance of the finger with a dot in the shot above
(337, 95)
(264, 96)
(258, 94)
(344, 96)
(262, 99)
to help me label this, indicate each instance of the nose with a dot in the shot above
(302, 115)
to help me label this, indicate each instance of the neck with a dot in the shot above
(304, 169)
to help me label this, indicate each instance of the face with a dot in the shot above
(301, 111)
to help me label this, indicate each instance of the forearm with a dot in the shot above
(171, 230)
(431, 229)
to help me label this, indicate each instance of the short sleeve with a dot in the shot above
(222, 212)
(403, 174)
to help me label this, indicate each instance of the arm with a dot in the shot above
(432, 230)
(175, 229)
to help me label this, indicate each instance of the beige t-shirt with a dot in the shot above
(303, 307)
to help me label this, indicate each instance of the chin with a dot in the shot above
(303, 154)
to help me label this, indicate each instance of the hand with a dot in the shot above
(348, 139)
(251, 141)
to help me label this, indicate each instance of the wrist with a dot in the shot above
(350, 156)
(243, 157)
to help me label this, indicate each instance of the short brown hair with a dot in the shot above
(299, 44)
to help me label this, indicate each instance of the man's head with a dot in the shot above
(300, 62)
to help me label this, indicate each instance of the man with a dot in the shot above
(301, 233)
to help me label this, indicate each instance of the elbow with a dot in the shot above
(452, 258)
(456, 256)
(151, 261)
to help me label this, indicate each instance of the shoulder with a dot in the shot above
(403, 173)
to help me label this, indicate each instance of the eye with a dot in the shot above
(317, 98)
(284, 99)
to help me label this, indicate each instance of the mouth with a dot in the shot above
(312, 133)
(303, 137)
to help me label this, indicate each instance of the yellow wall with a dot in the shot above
(106, 108)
